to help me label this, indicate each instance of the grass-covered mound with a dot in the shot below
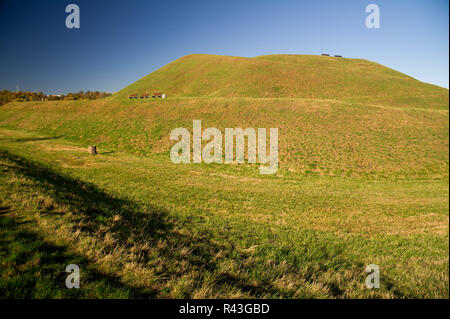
(288, 76)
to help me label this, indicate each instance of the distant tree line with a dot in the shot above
(8, 96)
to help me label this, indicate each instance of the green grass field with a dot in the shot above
(363, 179)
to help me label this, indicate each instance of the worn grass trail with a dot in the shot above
(166, 230)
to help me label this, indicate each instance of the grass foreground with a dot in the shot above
(144, 227)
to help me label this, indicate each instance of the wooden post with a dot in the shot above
(92, 149)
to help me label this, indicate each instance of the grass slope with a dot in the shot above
(315, 136)
(288, 76)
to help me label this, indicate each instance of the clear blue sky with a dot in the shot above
(120, 42)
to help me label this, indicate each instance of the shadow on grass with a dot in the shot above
(142, 226)
(33, 268)
(30, 139)
(4, 210)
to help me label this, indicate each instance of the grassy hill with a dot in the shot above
(288, 76)
(336, 116)
(363, 178)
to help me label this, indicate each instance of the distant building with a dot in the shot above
(338, 56)
(144, 96)
(133, 96)
(157, 94)
(325, 54)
